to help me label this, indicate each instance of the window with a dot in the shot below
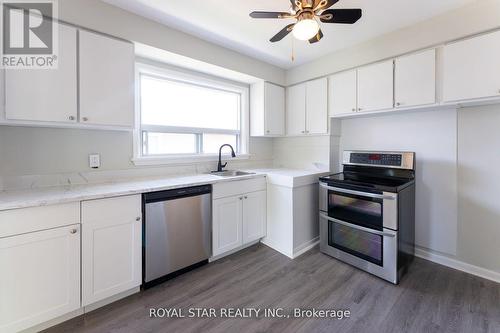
(188, 116)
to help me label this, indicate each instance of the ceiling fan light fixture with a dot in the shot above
(306, 28)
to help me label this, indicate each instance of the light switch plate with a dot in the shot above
(94, 161)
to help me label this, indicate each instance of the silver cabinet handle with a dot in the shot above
(354, 226)
(73, 231)
(138, 218)
(363, 194)
(71, 118)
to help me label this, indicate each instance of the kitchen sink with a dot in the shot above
(232, 173)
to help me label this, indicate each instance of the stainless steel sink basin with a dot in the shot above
(232, 173)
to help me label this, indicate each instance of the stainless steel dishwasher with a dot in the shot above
(176, 232)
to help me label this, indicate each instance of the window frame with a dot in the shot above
(194, 78)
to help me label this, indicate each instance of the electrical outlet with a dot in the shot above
(94, 161)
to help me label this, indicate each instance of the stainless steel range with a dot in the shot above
(367, 212)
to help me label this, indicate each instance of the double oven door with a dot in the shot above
(360, 228)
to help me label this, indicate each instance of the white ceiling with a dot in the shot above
(227, 23)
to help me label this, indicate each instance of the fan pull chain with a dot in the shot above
(293, 50)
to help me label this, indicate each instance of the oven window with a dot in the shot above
(359, 243)
(363, 211)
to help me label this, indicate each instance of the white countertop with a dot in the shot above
(15, 199)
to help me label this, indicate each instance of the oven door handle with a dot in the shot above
(363, 194)
(350, 225)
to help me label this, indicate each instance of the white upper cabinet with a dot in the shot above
(307, 108)
(342, 93)
(296, 110)
(376, 86)
(317, 106)
(472, 68)
(106, 80)
(415, 79)
(48, 95)
(267, 109)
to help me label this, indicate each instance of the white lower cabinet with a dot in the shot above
(40, 277)
(254, 216)
(111, 247)
(239, 218)
(227, 224)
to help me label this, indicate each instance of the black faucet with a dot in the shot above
(220, 166)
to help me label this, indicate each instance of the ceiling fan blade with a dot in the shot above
(345, 16)
(316, 38)
(327, 3)
(270, 15)
(282, 34)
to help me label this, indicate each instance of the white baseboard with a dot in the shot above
(303, 248)
(276, 248)
(112, 299)
(80, 311)
(299, 250)
(217, 257)
(457, 264)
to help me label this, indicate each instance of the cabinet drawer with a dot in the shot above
(112, 209)
(24, 220)
(231, 188)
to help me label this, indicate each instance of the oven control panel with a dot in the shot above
(402, 160)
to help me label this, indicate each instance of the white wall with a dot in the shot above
(61, 155)
(432, 136)
(479, 16)
(302, 152)
(457, 201)
(478, 186)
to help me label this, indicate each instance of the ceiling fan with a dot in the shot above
(306, 12)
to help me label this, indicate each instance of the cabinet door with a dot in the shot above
(45, 94)
(296, 110)
(254, 216)
(471, 68)
(40, 277)
(375, 87)
(106, 80)
(274, 109)
(111, 247)
(342, 93)
(415, 79)
(227, 224)
(317, 106)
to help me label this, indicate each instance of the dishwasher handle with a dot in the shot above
(177, 193)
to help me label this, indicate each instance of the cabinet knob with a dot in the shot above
(359, 109)
(302, 131)
(241, 198)
(246, 197)
(138, 218)
(71, 118)
(85, 119)
(398, 104)
(73, 231)
(353, 109)
(268, 131)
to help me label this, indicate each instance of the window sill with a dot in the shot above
(184, 159)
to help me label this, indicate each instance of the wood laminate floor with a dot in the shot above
(430, 298)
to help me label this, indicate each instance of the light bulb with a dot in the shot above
(305, 29)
